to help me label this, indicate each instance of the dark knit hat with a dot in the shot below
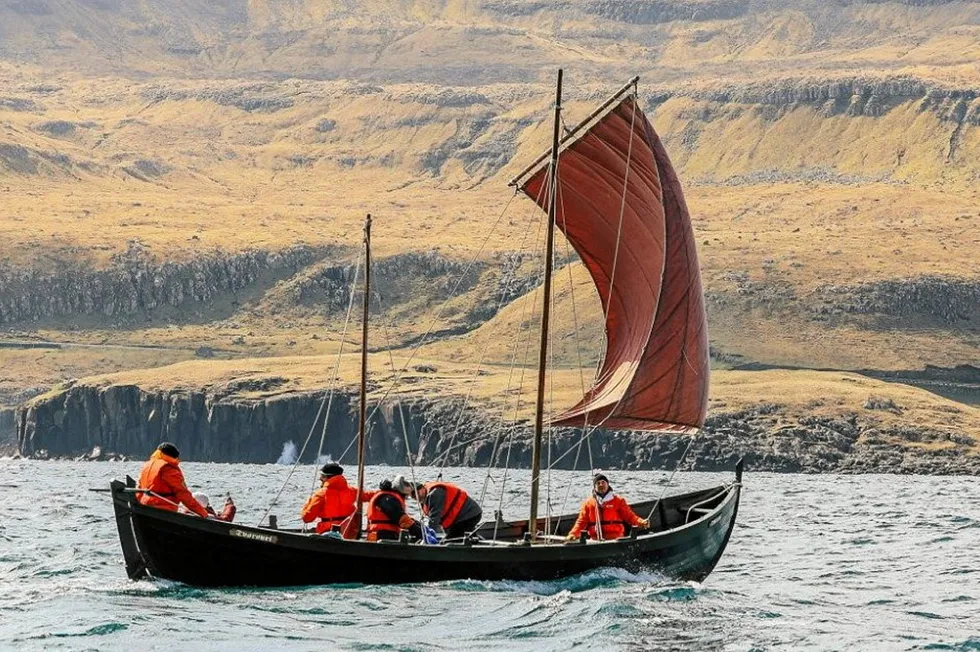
(168, 449)
(599, 476)
(331, 469)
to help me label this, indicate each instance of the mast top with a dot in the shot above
(577, 132)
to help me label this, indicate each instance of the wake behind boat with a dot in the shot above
(610, 187)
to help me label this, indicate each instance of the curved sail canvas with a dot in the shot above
(615, 184)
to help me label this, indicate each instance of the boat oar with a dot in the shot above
(137, 490)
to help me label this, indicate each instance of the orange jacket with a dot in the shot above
(227, 512)
(605, 520)
(378, 521)
(451, 506)
(162, 476)
(332, 503)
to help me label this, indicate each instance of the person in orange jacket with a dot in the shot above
(604, 515)
(333, 502)
(162, 476)
(226, 514)
(451, 512)
(386, 515)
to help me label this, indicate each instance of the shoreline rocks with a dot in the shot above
(124, 420)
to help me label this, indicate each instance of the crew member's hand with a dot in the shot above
(645, 523)
(571, 537)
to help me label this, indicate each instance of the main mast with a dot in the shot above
(545, 314)
(362, 416)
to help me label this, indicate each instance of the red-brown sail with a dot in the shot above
(654, 375)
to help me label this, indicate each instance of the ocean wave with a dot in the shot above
(593, 579)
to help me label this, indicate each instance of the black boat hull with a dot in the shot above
(207, 552)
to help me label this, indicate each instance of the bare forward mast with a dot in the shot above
(609, 186)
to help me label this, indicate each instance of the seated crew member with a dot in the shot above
(604, 515)
(450, 510)
(227, 512)
(386, 516)
(333, 502)
(162, 476)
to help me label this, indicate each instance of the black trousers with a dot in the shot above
(460, 528)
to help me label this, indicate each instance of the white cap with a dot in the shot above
(202, 498)
(401, 484)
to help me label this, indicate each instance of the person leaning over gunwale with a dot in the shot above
(386, 516)
(604, 515)
(162, 476)
(450, 510)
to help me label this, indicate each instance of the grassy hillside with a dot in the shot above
(829, 154)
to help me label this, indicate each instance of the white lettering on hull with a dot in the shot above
(254, 536)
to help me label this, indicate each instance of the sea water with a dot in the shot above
(872, 562)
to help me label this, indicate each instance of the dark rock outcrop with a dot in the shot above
(8, 432)
(135, 283)
(851, 96)
(942, 299)
(216, 426)
(261, 97)
(414, 281)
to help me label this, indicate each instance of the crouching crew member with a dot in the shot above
(604, 515)
(386, 516)
(449, 508)
(162, 476)
(333, 502)
(227, 512)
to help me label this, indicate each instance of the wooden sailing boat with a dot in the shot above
(610, 187)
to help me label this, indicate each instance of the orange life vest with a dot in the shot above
(377, 520)
(455, 499)
(606, 518)
(161, 475)
(333, 503)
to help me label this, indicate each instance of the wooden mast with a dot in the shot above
(362, 416)
(545, 315)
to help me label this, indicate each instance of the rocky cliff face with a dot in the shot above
(8, 432)
(945, 300)
(852, 96)
(135, 283)
(216, 427)
(942, 301)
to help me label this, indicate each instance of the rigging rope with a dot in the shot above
(519, 394)
(336, 373)
(401, 410)
(452, 295)
(622, 212)
(435, 318)
(443, 458)
(622, 209)
(575, 326)
(671, 478)
(551, 185)
(581, 367)
(327, 399)
(521, 324)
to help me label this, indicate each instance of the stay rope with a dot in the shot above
(622, 209)
(671, 478)
(581, 367)
(443, 458)
(401, 409)
(327, 399)
(435, 318)
(520, 391)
